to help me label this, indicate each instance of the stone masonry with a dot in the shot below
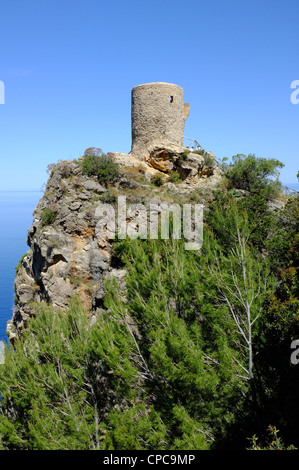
(158, 118)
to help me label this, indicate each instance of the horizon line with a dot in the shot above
(21, 191)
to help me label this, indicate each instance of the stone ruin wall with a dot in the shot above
(158, 118)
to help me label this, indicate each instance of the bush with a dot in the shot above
(48, 217)
(157, 180)
(107, 198)
(99, 164)
(175, 177)
(254, 174)
(274, 442)
(208, 160)
(19, 265)
(184, 155)
(199, 152)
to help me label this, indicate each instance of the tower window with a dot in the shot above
(171, 99)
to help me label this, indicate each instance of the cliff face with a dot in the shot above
(68, 256)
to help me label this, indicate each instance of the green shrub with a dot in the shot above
(48, 217)
(199, 152)
(274, 442)
(100, 165)
(175, 177)
(208, 160)
(254, 174)
(157, 180)
(107, 198)
(19, 265)
(184, 155)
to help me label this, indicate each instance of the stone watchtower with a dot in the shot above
(158, 118)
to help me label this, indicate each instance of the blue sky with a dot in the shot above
(69, 67)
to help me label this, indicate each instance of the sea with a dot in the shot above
(16, 209)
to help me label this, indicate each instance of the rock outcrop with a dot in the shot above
(67, 255)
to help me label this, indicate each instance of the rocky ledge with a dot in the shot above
(65, 256)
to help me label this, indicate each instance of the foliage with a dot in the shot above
(96, 163)
(68, 384)
(154, 372)
(93, 151)
(273, 396)
(283, 235)
(19, 265)
(184, 341)
(208, 160)
(273, 442)
(48, 217)
(274, 244)
(278, 377)
(107, 198)
(195, 354)
(254, 174)
(251, 187)
(184, 155)
(157, 180)
(241, 276)
(175, 177)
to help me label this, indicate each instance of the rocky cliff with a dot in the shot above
(66, 257)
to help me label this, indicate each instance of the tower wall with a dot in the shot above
(158, 117)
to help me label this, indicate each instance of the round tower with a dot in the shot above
(158, 118)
